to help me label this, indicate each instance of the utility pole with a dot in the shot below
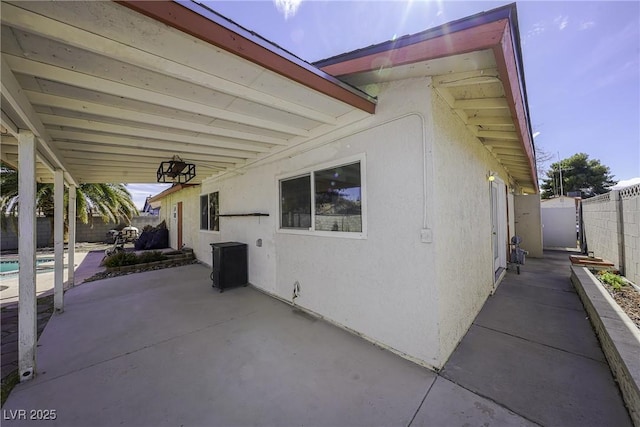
(560, 166)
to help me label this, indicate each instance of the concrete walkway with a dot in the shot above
(532, 349)
(163, 348)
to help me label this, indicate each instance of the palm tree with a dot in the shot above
(112, 202)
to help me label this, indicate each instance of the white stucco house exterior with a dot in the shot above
(411, 264)
(382, 185)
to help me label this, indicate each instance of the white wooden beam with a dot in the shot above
(27, 307)
(467, 78)
(165, 135)
(58, 240)
(9, 125)
(496, 134)
(152, 60)
(79, 158)
(13, 93)
(143, 95)
(491, 121)
(71, 249)
(86, 148)
(133, 164)
(118, 141)
(481, 104)
(85, 81)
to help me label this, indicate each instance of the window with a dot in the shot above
(209, 212)
(295, 202)
(334, 193)
(338, 199)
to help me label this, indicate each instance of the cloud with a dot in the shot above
(537, 29)
(287, 7)
(561, 22)
(139, 192)
(585, 25)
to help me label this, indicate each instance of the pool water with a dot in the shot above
(14, 266)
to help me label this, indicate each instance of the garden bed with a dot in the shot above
(619, 336)
(626, 295)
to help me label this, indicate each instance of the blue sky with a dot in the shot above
(581, 59)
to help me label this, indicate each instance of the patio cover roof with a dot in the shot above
(476, 67)
(111, 89)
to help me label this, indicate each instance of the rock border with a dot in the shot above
(618, 335)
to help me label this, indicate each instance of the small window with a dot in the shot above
(338, 198)
(295, 203)
(209, 212)
(326, 200)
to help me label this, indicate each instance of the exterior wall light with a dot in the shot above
(491, 176)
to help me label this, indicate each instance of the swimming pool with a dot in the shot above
(12, 266)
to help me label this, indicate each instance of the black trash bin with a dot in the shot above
(229, 265)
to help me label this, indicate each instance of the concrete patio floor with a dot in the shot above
(164, 348)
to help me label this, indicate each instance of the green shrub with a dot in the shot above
(611, 279)
(120, 259)
(151, 257)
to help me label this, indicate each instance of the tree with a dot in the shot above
(111, 202)
(579, 173)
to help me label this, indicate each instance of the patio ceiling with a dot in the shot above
(113, 89)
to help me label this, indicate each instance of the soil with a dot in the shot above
(629, 301)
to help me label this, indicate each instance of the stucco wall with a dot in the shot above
(382, 285)
(529, 223)
(612, 228)
(190, 198)
(423, 267)
(631, 220)
(96, 232)
(464, 255)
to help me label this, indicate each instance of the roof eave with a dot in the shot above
(202, 23)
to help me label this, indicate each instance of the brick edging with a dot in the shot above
(618, 335)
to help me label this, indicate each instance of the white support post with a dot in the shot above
(71, 250)
(27, 302)
(58, 240)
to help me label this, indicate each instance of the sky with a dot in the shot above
(581, 60)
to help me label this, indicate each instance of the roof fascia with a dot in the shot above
(468, 40)
(206, 25)
(462, 24)
(170, 190)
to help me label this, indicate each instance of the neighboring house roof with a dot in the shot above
(153, 200)
(197, 85)
(476, 65)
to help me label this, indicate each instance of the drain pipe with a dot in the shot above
(296, 292)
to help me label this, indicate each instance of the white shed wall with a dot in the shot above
(559, 226)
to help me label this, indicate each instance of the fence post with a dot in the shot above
(615, 196)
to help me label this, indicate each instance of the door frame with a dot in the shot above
(498, 209)
(179, 226)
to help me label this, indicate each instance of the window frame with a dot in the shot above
(311, 231)
(208, 196)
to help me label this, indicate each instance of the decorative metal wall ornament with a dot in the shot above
(176, 171)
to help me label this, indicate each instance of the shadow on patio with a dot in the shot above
(164, 348)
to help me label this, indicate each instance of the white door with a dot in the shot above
(499, 224)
